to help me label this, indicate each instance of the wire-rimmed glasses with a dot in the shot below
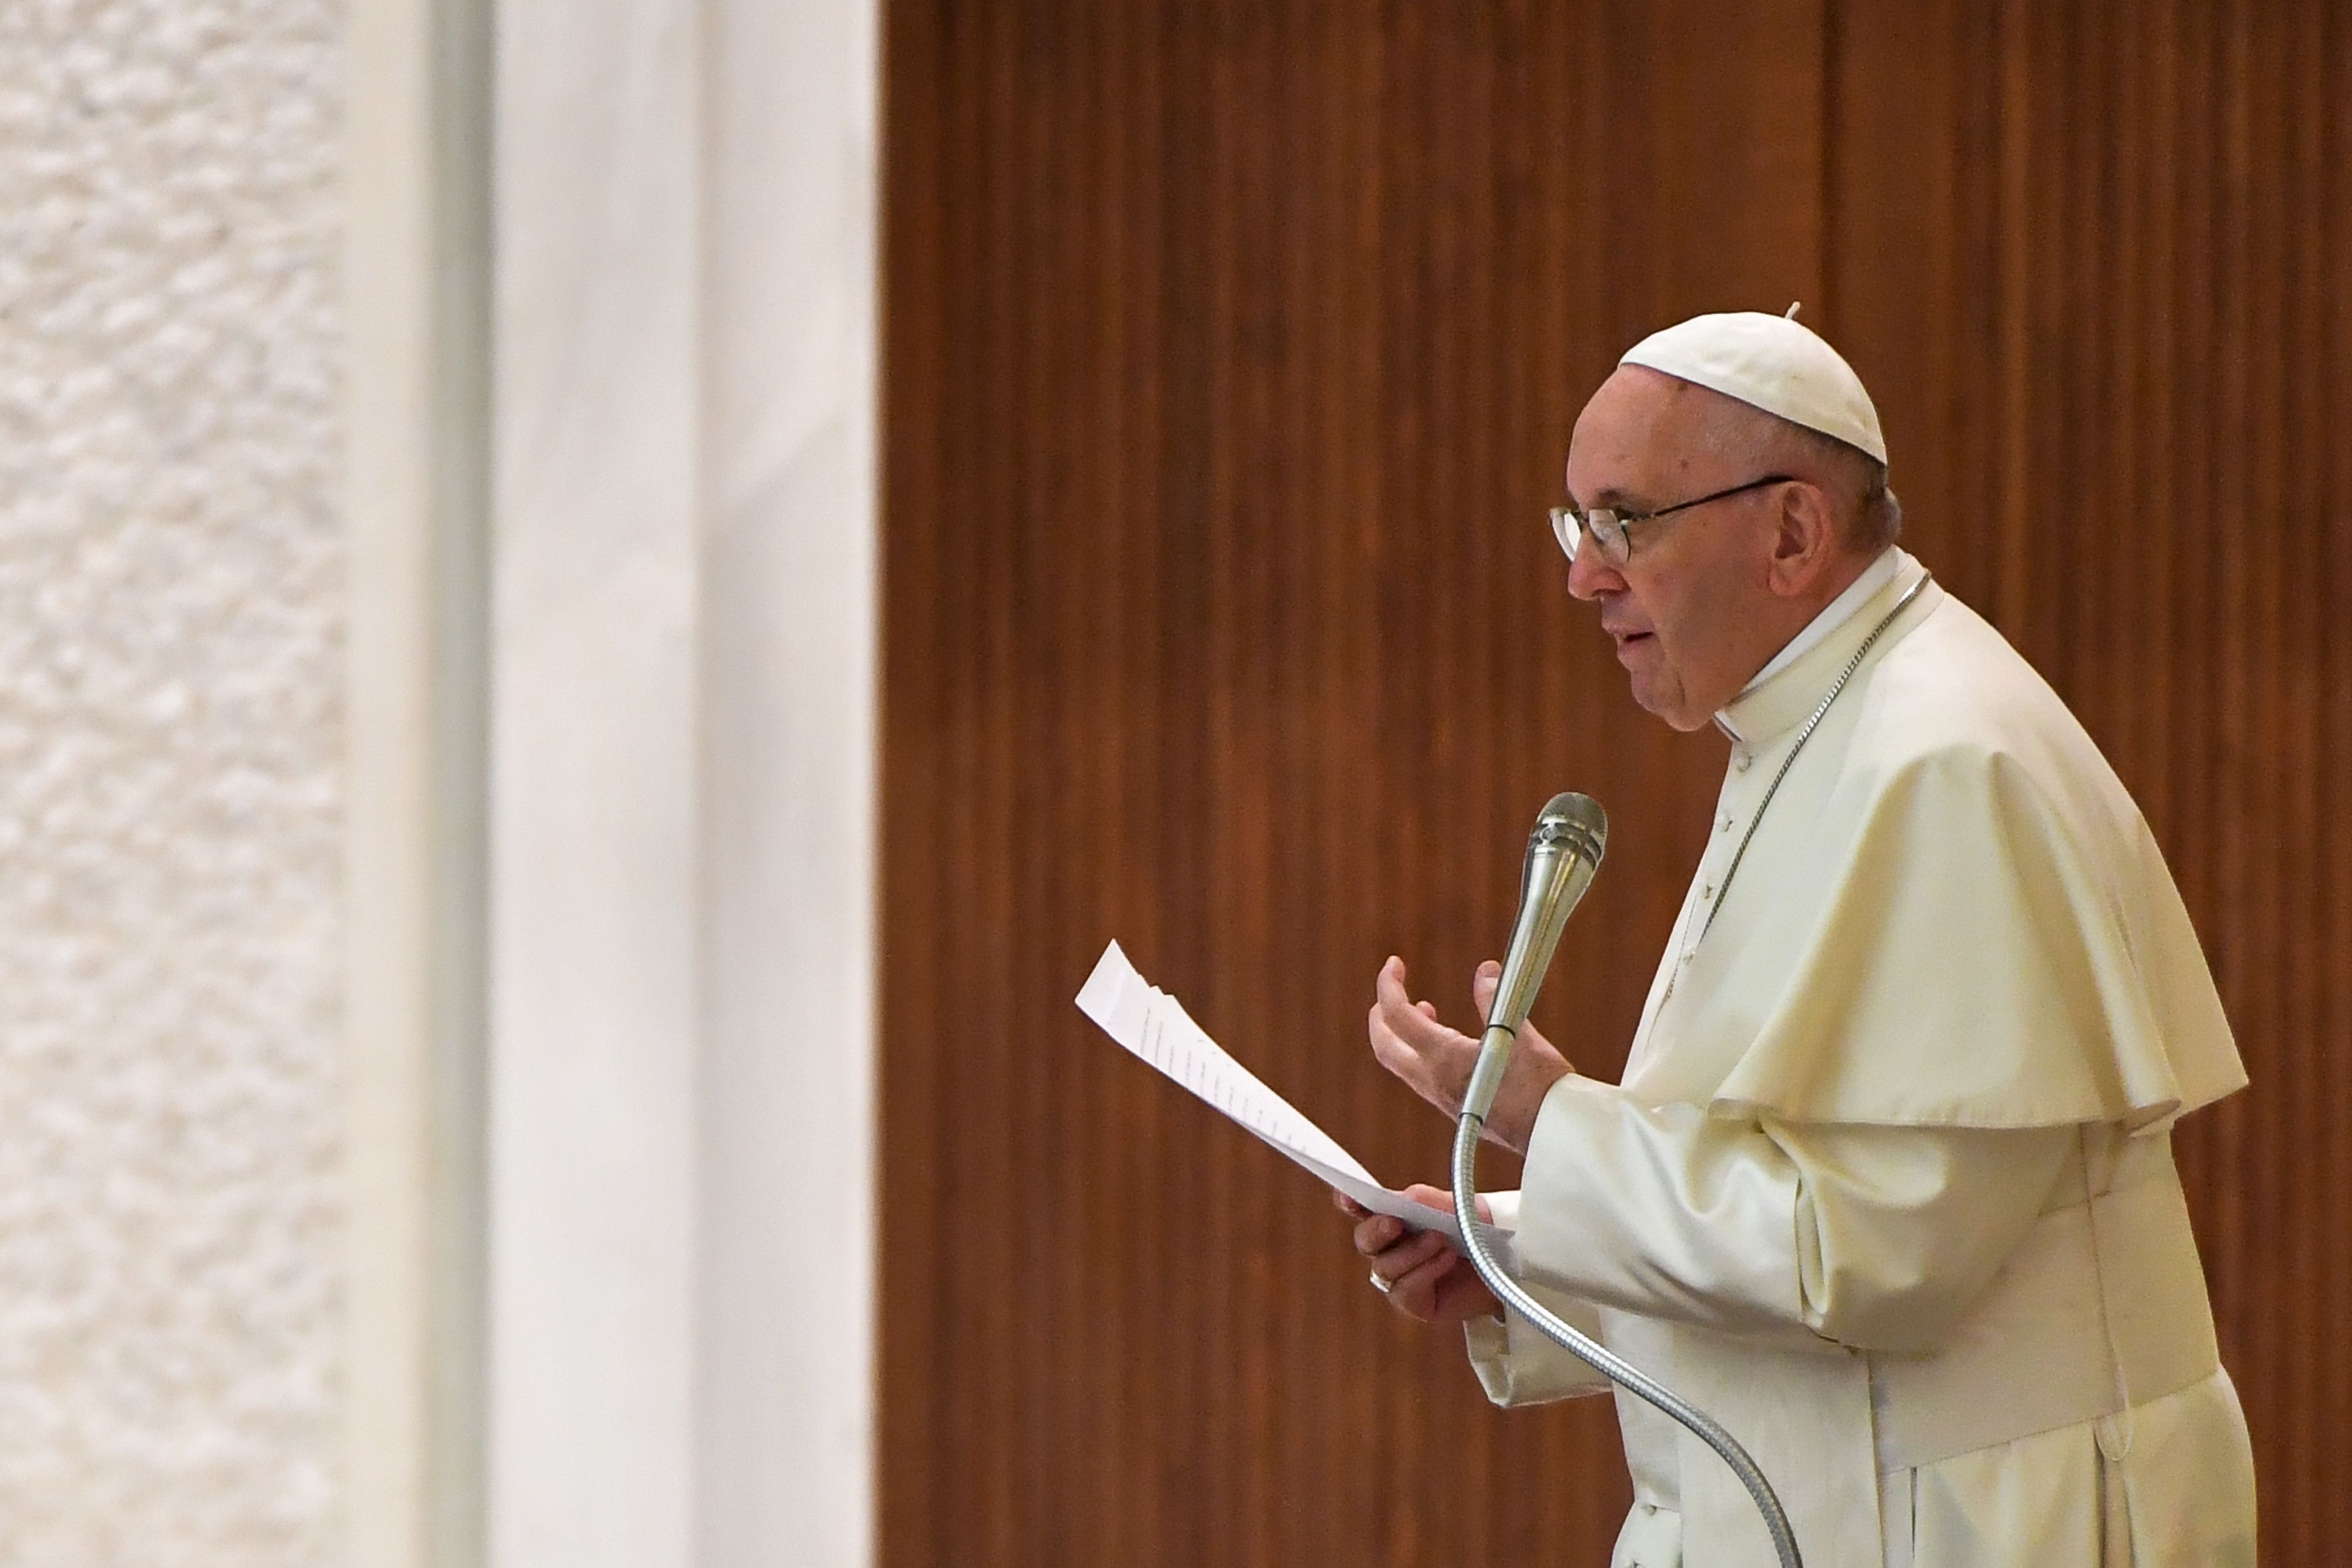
(1607, 525)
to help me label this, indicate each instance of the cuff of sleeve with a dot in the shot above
(1488, 1341)
(1517, 1366)
(1503, 1208)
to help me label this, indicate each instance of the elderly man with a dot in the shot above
(1887, 1188)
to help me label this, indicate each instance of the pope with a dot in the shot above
(1888, 1187)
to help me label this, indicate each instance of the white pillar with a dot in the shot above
(788, 625)
(683, 774)
(595, 925)
(613, 717)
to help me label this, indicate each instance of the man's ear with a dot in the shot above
(1804, 539)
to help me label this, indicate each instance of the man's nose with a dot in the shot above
(1590, 577)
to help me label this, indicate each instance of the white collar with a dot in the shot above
(1836, 614)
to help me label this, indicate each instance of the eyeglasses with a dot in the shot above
(1607, 525)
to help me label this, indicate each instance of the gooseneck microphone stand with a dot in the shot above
(1563, 855)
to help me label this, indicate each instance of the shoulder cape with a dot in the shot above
(1972, 927)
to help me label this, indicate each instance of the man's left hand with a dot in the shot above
(1435, 1062)
(1417, 1270)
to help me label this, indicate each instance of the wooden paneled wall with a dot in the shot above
(1231, 349)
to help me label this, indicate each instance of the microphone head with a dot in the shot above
(1570, 823)
(1564, 851)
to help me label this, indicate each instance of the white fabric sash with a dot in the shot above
(2102, 1307)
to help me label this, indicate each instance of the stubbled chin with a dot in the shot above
(1657, 695)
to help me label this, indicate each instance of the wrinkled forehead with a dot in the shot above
(1644, 433)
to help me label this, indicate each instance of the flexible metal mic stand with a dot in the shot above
(1486, 1080)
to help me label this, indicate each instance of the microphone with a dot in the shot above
(1563, 855)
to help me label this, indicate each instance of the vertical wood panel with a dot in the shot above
(1231, 352)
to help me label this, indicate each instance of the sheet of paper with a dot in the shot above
(1153, 1025)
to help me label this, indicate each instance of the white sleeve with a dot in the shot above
(1874, 1237)
(1514, 1363)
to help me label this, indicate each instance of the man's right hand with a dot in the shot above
(1435, 1062)
(1428, 1280)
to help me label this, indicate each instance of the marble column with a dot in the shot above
(787, 783)
(682, 775)
(595, 927)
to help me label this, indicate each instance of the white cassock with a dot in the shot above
(1888, 1188)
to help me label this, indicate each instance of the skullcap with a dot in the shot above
(1772, 363)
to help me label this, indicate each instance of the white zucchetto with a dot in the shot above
(1773, 362)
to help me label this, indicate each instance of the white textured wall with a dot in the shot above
(169, 627)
